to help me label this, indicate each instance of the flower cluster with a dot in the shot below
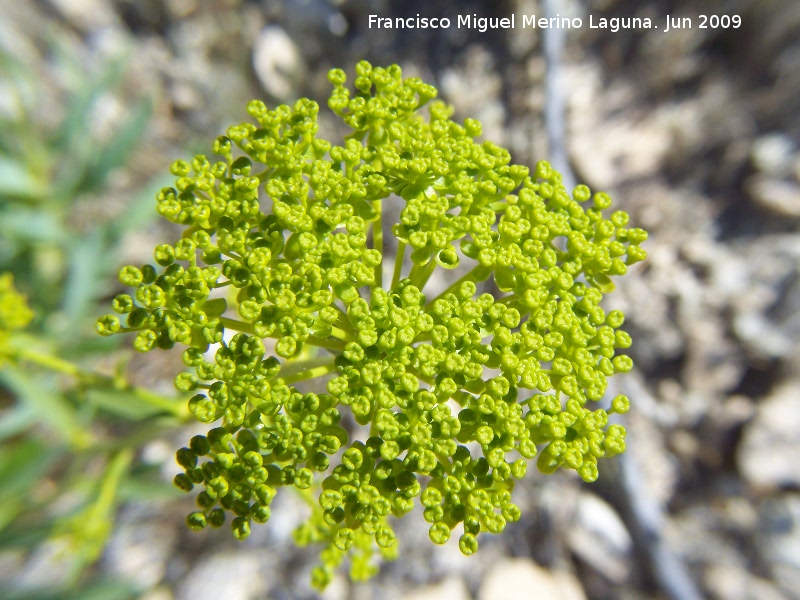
(14, 311)
(456, 394)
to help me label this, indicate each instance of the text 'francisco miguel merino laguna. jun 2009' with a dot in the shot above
(514, 21)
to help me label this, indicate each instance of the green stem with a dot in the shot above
(114, 473)
(265, 174)
(343, 322)
(445, 462)
(377, 240)
(420, 274)
(327, 343)
(336, 342)
(461, 397)
(308, 374)
(475, 274)
(100, 512)
(59, 365)
(179, 409)
(51, 362)
(398, 264)
(340, 334)
(309, 499)
(237, 325)
(295, 366)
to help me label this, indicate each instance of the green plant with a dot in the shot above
(69, 431)
(456, 394)
(77, 463)
(57, 236)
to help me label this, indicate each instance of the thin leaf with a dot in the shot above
(121, 403)
(15, 421)
(10, 509)
(77, 151)
(141, 210)
(31, 225)
(148, 488)
(89, 262)
(21, 466)
(72, 132)
(119, 148)
(50, 406)
(17, 181)
(103, 590)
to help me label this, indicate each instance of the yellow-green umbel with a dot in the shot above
(458, 392)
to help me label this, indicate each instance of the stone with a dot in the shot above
(523, 578)
(770, 444)
(772, 154)
(776, 195)
(452, 588)
(277, 62)
(229, 575)
(139, 550)
(732, 583)
(86, 15)
(600, 538)
(779, 540)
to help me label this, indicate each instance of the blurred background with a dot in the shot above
(695, 132)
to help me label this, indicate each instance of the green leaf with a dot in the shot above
(147, 486)
(31, 225)
(28, 535)
(89, 260)
(140, 211)
(79, 152)
(50, 406)
(15, 421)
(116, 152)
(10, 509)
(121, 403)
(103, 590)
(72, 132)
(21, 466)
(17, 181)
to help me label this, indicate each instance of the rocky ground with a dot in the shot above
(695, 133)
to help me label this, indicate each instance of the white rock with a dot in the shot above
(600, 538)
(626, 149)
(523, 578)
(277, 61)
(86, 14)
(779, 538)
(771, 442)
(474, 90)
(337, 24)
(182, 8)
(158, 593)
(761, 335)
(140, 547)
(733, 583)
(452, 588)
(338, 589)
(772, 154)
(776, 195)
(232, 576)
